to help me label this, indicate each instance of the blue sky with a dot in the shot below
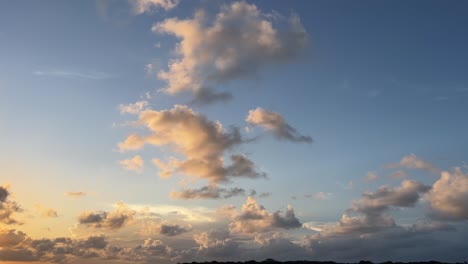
(375, 83)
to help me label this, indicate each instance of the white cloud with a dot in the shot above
(142, 6)
(239, 42)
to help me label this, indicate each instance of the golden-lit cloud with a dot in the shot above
(133, 164)
(276, 124)
(254, 218)
(202, 142)
(111, 220)
(46, 212)
(448, 198)
(240, 41)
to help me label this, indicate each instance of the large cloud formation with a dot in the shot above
(448, 198)
(369, 214)
(239, 42)
(275, 123)
(201, 141)
(254, 218)
(8, 208)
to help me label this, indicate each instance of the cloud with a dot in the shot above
(448, 198)
(371, 176)
(134, 108)
(46, 212)
(110, 220)
(133, 164)
(8, 208)
(275, 123)
(143, 6)
(74, 74)
(202, 142)
(207, 192)
(11, 238)
(237, 44)
(368, 214)
(75, 194)
(216, 243)
(254, 218)
(413, 162)
(398, 174)
(404, 196)
(172, 229)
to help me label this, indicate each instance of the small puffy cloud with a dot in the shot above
(414, 162)
(46, 212)
(371, 176)
(111, 220)
(134, 108)
(172, 229)
(207, 192)
(133, 164)
(142, 6)
(254, 218)
(276, 124)
(240, 41)
(8, 208)
(448, 198)
(75, 194)
(202, 142)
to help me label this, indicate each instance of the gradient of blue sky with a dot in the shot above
(377, 82)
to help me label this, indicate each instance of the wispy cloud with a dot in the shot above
(74, 74)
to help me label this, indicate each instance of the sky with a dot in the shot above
(165, 131)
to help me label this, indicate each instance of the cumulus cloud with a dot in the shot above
(369, 214)
(134, 108)
(414, 162)
(202, 142)
(240, 41)
(207, 192)
(133, 164)
(111, 220)
(405, 195)
(276, 124)
(216, 243)
(448, 198)
(142, 6)
(8, 208)
(254, 218)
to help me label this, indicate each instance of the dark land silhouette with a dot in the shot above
(272, 261)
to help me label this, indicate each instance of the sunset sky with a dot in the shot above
(164, 131)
